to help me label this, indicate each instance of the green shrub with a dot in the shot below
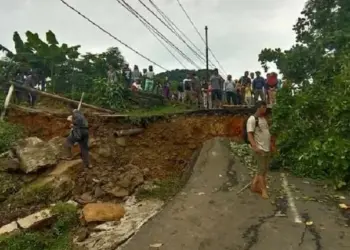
(9, 133)
(58, 237)
(312, 128)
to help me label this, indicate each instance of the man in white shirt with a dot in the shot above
(230, 91)
(260, 139)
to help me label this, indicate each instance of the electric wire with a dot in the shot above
(174, 27)
(159, 40)
(108, 33)
(200, 57)
(143, 20)
(194, 26)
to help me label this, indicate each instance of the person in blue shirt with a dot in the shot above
(258, 87)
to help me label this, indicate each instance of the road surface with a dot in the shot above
(208, 214)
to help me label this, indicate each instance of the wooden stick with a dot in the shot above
(7, 101)
(244, 188)
(81, 100)
(61, 98)
(126, 132)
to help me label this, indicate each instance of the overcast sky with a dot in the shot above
(238, 29)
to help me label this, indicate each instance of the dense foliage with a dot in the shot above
(9, 133)
(312, 124)
(57, 237)
(68, 72)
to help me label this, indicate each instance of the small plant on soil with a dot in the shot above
(57, 237)
(9, 133)
(162, 190)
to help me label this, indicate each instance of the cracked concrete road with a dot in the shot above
(209, 215)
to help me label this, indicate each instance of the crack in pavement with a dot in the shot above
(231, 176)
(251, 235)
(312, 230)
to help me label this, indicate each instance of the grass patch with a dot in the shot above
(31, 194)
(57, 237)
(161, 110)
(162, 190)
(9, 134)
(9, 184)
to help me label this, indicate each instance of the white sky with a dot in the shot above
(238, 29)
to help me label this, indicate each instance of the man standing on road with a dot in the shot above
(258, 87)
(230, 90)
(126, 72)
(216, 86)
(260, 139)
(206, 94)
(187, 84)
(244, 81)
(79, 134)
(30, 82)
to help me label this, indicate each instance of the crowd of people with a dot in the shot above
(134, 79)
(246, 90)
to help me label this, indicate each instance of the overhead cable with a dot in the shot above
(175, 28)
(194, 26)
(155, 35)
(108, 33)
(143, 20)
(175, 33)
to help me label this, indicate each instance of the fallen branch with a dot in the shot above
(5, 154)
(126, 132)
(244, 188)
(60, 98)
(7, 102)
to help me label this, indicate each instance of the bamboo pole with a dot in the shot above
(81, 100)
(60, 98)
(7, 102)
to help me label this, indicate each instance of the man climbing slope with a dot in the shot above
(259, 139)
(79, 134)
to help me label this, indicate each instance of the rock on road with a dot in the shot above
(208, 214)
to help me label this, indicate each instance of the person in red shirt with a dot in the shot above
(272, 82)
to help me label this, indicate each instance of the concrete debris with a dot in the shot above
(111, 235)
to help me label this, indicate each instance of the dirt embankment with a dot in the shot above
(164, 147)
(162, 151)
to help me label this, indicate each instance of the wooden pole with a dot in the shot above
(127, 132)
(206, 53)
(60, 98)
(81, 100)
(7, 102)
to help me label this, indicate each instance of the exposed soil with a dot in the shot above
(161, 151)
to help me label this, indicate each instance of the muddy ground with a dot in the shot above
(162, 151)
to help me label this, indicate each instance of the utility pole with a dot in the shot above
(206, 53)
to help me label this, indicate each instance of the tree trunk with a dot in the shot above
(126, 132)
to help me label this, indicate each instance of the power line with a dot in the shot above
(155, 35)
(108, 33)
(143, 20)
(194, 26)
(173, 31)
(173, 27)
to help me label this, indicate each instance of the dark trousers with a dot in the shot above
(231, 97)
(239, 98)
(32, 98)
(80, 136)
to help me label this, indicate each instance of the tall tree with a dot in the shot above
(312, 124)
